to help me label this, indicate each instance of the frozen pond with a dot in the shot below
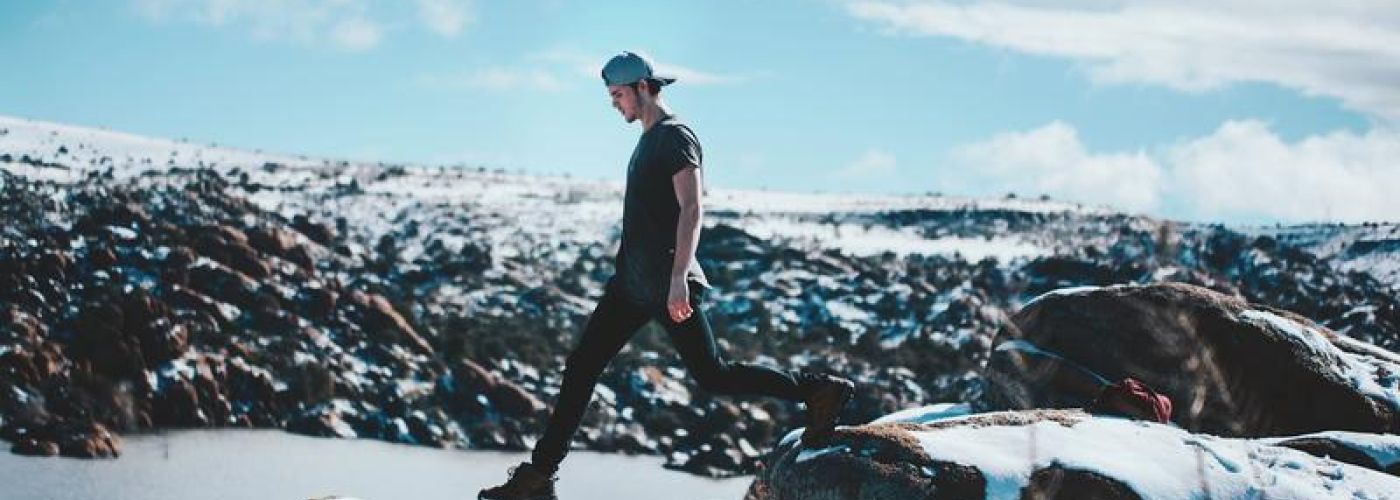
(271, 464)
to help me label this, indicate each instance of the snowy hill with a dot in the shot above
(204, 286)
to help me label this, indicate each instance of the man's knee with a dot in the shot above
(717, 377)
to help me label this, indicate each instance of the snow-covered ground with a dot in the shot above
(549, 220)
(127, 154)
(545, 208)
(1158, 461)
(1371, 248)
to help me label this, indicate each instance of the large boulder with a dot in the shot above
(1050, 453)
(1231, 368)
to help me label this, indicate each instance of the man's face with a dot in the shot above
(625, 99)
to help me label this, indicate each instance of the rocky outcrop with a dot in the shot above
(328, 297)
(1232, 368)
(1044, 454)
(1381, 453)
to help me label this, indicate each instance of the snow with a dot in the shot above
(1064, 292)
(127, 154)
(1026, 346)
(1383, 448)
(1385, 267)
(760, 200)
(846, 312)
(1374, 377)
(1339, 243)
(864, 241)
(926, 414)
(1158, 461)
(808, 453)
(1152, 459)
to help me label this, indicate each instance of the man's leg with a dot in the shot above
(610, 326)
(695, 342)
(823, 395)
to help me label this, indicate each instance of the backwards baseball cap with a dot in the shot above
(627, 68)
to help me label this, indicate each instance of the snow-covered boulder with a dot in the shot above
(1054, 454)
(1231, 368)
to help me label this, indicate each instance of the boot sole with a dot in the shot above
(536, 497)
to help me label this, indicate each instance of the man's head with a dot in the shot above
(632, 84)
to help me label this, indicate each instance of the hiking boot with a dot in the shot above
(824, 396)
(527, 482)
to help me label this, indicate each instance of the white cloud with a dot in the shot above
(1241, 172)
(870, 165)
(496, 79)
(691, 76)
(1346, 50)
(445, 17)
(356, 34)
(344, 23)
(589, 65)
(1051, 160)
(1244, 170)
(555, 70)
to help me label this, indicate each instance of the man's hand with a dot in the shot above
(678, 300)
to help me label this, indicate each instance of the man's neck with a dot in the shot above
(652, 113)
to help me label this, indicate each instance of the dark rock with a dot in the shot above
(381, 318)
(514, 401)
(35, 447)
(101, 343)
(17, 326)
(321, 421)
(1319, 446)
(272, 240)
(176, 403)
(320, 301)
(887, 463)
(1234, 368)
(70, 439)
(224, 284)
(33, 368)
(102, 256)
(319, 232)
(1060, 483)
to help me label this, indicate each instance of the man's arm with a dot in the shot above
(687, 185)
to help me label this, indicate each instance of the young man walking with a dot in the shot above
(658, 279)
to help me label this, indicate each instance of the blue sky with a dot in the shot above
(1195, 110)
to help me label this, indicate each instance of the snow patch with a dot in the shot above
(1065, 292)
(1373, 377)
(926, 414)
(1151, 458)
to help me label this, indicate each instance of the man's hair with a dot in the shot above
(653, 85)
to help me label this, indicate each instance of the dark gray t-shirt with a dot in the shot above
(650, 212)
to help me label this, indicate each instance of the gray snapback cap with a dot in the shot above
(628, 67)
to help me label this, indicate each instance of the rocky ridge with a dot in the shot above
(178, 285)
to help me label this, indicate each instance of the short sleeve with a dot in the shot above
(682, 149)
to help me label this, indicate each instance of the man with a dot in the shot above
(658, 279)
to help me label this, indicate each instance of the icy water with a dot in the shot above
(271, 464)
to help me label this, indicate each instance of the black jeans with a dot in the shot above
(611, 325)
